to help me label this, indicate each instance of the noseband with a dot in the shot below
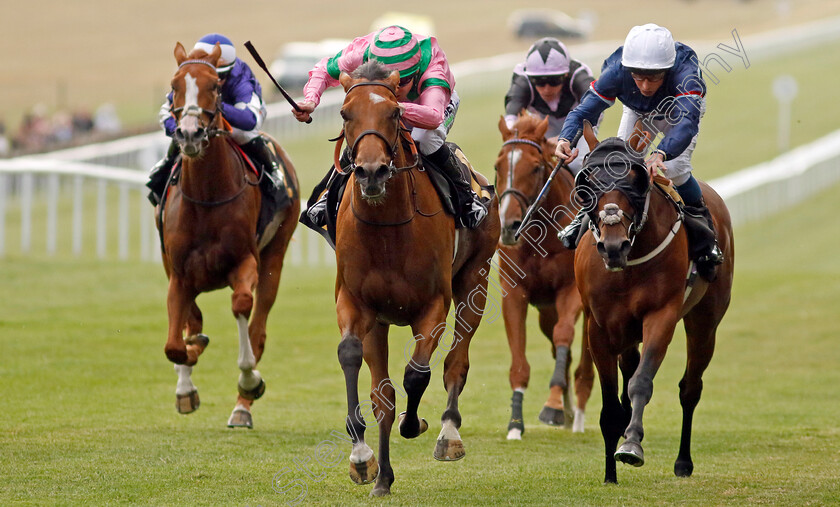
(391, 146)
(523, 200)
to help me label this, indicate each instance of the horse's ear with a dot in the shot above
(345, 80)
(589, 135)
(394, 80)
(503, 128)
(180, 53)
(542, 128)
(215, 54)
(639, 139)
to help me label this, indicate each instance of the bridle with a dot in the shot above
(391, 146)
(524, 200)
(196, 111)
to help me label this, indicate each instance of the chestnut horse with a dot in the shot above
(209, 236)
(536, 269)
(400, 261)
(632, 269)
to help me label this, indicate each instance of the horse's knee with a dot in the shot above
(242, 303)
(350, 352)
(690, 392)
(640, 385)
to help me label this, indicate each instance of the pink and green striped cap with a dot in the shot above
(397, 49)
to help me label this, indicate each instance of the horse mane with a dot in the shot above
(526, 125)
(371, 70)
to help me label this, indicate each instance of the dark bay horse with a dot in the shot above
(535, 269)
(632, 269)
(400, 261)
(209, 235)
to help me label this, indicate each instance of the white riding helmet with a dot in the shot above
(649, 47)
(547, 57)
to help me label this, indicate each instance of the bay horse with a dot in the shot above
(632, 268)
(209, 236)
(400, 261)
(535, 269)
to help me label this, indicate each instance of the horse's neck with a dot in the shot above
(212, 174)
(661, 218)
(558, 197)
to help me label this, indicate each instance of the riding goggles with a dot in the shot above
(555, 80)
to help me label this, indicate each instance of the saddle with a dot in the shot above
(334, 183)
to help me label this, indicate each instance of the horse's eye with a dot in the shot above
(537, 169)
(343, 115)
(396, 114)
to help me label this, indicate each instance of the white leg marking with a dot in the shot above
(577, 427)
(249, 378)
(449, 431)
(361, 452)
(185, 385)
(514, 434)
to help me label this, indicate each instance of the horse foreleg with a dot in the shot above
(584, 378)
(700, 338)
(418, 372)
(514, 312)
(658, 329)
(383, 398)
(178, 303)
(612, 414)
(251, 386)
(354, 324)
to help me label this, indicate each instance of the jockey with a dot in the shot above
(548, 84)
(242, 107)
(659, 82)
(426, 90)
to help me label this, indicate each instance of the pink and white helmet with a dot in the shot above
(649, 47)
(547, 57)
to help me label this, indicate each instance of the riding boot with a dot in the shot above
(159, 174)
(570, 235)
(472, 209)
(702, 240)
(318, 211)
(257, 149)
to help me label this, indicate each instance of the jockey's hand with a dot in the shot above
(565, 152)
(656, 163)
(306, 109)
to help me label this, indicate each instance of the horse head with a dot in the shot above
(371, 115)
(196, 98)
(522, 168)
(614, 186)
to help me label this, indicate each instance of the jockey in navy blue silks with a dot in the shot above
(659, 82)
(242, 107)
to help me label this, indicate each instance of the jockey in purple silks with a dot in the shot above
(426, 90)
(242, 106)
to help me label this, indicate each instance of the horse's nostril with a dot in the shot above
(601, 248)
(515, 225)
(382, 172)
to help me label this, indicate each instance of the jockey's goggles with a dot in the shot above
(555, 80)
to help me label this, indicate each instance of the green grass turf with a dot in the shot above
(88, 416)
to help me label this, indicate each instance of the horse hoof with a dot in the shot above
(380, 490)
(364, 472)
(630, 453)
(202, 340)
(405, 430)
(252, 394)
(187, 403)
(553, 416)
(240, 418)
(449, 450)
(514, 434)
(683, 468)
